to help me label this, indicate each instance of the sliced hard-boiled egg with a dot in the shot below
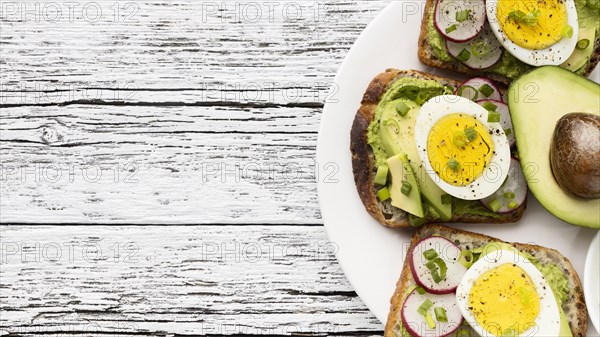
(463, 147)
(535, 32)
(504, 294)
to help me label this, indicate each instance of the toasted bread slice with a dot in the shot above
(363, 160)
(427, 56)
(574, 308)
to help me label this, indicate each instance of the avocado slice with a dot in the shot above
(397, 136)
(579, 58)
(402, 173)
(537, 100)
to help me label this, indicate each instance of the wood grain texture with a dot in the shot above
(213, 280)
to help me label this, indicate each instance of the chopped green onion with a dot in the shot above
(567, 31)
(475, 92)
(530, 19)
(381, 176)
(406, 188)
(464, 55)
(463, 15)
(440, 314)
(402, 109)
(463, 333)
(446, 199)
(480, 48)
(424, 307)
(486, 90)
(508, 131)
(493, 117)
(453, 164)
(430, 254)
(582, 44)
(433, 266)
(466, 258)
(383, 194)
(471, 134)
(510, 332)
(495, 205)
(509, 195)
(459, 139)
(450, 29)
(430, 321)
(513, 205)
(524, 295)
(420, 290)
(490, 106)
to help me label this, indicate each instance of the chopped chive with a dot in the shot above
(471, 134)
(567, 31)
(459, 139)
(424, 307)
(493, 117)
(513, 205)
(383, 194)
(406, 188)
(433, 266)
(446, 199)
(508, 131)
(475, 92)
(495, 205)
(421, 98)
(480, 48)
(381, 176)
(509, 195)
(463, 15)
(453, 164)
(490, 106)
(430, 254)
(420, 290)
(440, 314)
(582, 44)
(464, 55)
(402, 109)
(530, 19)
(430, 321)
(466, 258)
(486, 90)
(450, 29)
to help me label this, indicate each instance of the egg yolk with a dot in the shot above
(532, 24)
(504, 301)
(459, 148)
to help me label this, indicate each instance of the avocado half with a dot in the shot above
(537, 100)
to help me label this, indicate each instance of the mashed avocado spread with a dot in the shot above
(418, 91)
(509, 66)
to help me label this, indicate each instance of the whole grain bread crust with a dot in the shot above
(426, 55)
(574, 308)
(363, 160)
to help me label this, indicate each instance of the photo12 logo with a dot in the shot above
(69, 12)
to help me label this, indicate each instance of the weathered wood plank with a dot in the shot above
(215, 280)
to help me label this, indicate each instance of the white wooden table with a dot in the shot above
(158, 172)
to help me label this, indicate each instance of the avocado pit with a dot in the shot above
(575, 154)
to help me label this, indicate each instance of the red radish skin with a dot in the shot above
(477, 82)
(415, 323)
(455, 269)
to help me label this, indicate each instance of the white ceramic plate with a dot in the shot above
(370, 254)
(590, 281)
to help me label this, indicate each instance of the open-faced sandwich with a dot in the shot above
(430, 149)
(462, 284)
(503, 39)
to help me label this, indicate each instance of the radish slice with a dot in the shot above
(415, 322)
(511, 194)
(449, 253)
(481, 52)
(459, 21)
(479, 88)
(505, 120)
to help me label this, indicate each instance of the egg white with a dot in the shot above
(547, 323)
(556, 54)
(493, 176)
